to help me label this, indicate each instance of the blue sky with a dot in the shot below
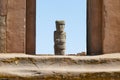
(73, 12)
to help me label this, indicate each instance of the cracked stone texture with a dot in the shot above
(111, 26)
(28, 67)
(16, 26)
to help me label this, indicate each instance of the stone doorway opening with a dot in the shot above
(74, 15)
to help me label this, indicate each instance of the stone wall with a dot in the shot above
(16, 19)
(12, 26)
(111, 26)
(103, 26)
(17, 23)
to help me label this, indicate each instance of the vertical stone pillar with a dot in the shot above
(60, 38)
(30, 26)
(3, 16)
(94, 27)
(15, 34)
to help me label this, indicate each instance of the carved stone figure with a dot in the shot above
(60, 38)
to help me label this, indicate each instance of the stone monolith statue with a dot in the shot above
(60, 38)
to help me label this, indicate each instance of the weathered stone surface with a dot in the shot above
(3, 13)
(3, 7)
(2, 34)
(59, 51)
(2, 20)
(103, 26)
(30, 26)
(111, 26)
(94, 27)
(28, 67)
(16, 26)
(60, 46)
(59, 23)
(60, 26)
(61, 35)
(60, 41)
(12, 35)
(81, 54)
(59, 38)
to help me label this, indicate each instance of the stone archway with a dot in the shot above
(18, 19)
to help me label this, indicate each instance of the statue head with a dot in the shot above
(60, 25)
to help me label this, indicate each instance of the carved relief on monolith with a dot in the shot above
(60, 38)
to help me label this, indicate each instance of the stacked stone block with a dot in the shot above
(60, 38)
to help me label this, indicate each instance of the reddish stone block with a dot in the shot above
(16, 26)
(94, 27)
(111, 27)
(30, 26)
(3, 7)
